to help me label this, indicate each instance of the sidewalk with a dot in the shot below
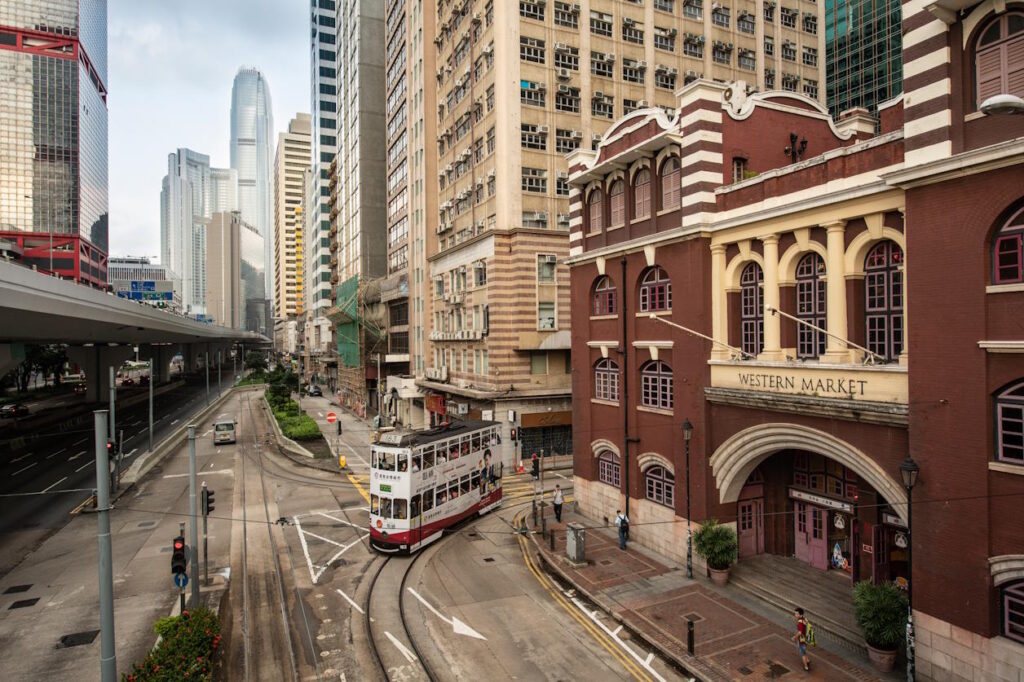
(651, 596)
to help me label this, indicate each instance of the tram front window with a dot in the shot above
(414, 507)
(374, 505)
(403, 461)
(428, 457)
(417, 461)
(401, 507)
(385, 507)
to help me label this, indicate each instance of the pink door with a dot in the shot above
(801, 536)
(751, 526)
(817, 543)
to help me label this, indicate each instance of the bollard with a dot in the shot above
(534, 517)
(543, 524)
(689, 636)
(552, 539)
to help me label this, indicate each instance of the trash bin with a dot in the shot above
(575, 535)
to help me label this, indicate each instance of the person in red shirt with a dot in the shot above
(801, 637)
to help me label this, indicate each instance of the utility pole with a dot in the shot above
(207, 363)
(152, 365)
(108, 657)
(113, 397)
(220, 361)
(193, 510)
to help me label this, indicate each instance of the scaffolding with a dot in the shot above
(358, 316)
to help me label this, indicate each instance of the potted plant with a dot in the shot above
(881, 612)
(718, 545)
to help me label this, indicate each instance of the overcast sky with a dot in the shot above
(171, 69)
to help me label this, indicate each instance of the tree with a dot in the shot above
(255, 361)
(48, 359)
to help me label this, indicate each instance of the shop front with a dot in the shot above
(547, 431)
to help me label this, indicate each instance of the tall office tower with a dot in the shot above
(53, 139)
(863, 53)
(236, 282)
(323, 147)
(290, 163)
(252, 155)
(411, 135)
(357, 200)
(191, 193)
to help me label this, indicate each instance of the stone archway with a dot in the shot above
(738, 456)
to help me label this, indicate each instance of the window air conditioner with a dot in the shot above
(563, 88)
(642, 104)
(609, 58)
(561, 47)
(672, 71)
(563, 74)
(543, 130)
(691, 74)
(627, 22)
(641, 65)
(488, 49)
(577, 134)
(562, 175)
(550, 259)
(598, 94)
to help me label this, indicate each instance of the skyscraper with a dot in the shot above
(252, 156)
(863, 53)
(53, 140)
(290, 163)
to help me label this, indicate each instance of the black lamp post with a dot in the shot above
(908, 472)
(687, 435)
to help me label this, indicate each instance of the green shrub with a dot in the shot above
(717, 544)
(186, 648)
(881, 612)
(304, 428)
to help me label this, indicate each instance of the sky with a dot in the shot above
(171, 69)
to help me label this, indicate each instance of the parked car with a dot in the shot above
(127, 381)
(14, 410)
(80, 388)
(315, 391)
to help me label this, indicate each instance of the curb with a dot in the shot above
(686, 664)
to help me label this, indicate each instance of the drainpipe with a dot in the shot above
(625, 384)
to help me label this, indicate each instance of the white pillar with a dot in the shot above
(719, 303)
(772, 326)
(835, 287)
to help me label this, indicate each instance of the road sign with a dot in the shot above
(331, 417)
(180, 580)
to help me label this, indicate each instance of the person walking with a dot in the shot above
(622, 521)
(556, 502)
(801, 637)
(535, 467)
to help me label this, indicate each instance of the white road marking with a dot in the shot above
(18, 459)
(314, 574)
(87, 464)
(77, 455)
(458, 626)
(646, 663)
(56, 484)
(356, 606)
(334, 518)
(80, 442)
(175, 422)
(409, 656)
(56, 453)
(320, 414)
(134, 450)
(561, 477)
(219, 471)
(25, 469)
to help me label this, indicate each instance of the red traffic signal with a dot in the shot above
(178, 561)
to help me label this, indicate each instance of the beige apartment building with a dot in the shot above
(235, 289)
(511, 103)
(290, 163)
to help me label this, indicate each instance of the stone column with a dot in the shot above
(719, 303)
(904, 357)
(772, 325)
(835, 287)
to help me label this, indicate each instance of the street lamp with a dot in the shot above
(908, 473)
(687, 435)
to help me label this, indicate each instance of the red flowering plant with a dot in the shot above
(186, 648)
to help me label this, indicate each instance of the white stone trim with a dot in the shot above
(926, 124)
(935, 164)
(979, 13)
(926, 155)
(926, 62)
(1006, 568)
(1004, 288)
(709, 136)
(602, 444)
(923, 33)
(940, 88)
(698, 198)
(689, 179)
(708, 115)
(702, 155)
(651, 459)
(1015, 346)
(1006, 468)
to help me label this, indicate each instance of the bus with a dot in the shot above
(422, 482)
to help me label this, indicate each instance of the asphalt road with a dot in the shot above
(32, 480)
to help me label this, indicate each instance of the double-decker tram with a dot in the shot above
(422, 482)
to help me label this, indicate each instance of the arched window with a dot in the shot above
(751, 309)
(660, 485)
(1010, 425)
(656, 385)
(595, 204)
(642, 194)
(655, 290)
(811, 302)
(670, 180)
(608, 469)
(606, 380)
(1013, 611)
(999, 57)
(606, 301)
(883, 305)
(1007, 261)
(618, 203)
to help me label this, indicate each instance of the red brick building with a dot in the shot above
(820, 301)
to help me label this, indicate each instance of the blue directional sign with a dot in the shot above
(180, 580)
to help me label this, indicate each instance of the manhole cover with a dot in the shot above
(23, 603)
(14, 589)
(606, 562)
(777, 670)
(489, 559)
(147, 524)
(695, 617)
(745, 670)
(77, 639)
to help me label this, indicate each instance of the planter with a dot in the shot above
(884, 660)
(719, 577)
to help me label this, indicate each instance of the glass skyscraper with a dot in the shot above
(863, 53)
(252, 156)
(53, 135)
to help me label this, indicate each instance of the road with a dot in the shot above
(32, 480)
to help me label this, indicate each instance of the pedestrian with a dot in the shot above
(534, 466)
(556, 502)
(801, 637)
(622, 521)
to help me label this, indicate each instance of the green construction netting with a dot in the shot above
(348, 334)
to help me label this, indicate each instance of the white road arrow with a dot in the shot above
(409, 656)
(458, 626)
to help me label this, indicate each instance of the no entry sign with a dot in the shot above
(331, 417)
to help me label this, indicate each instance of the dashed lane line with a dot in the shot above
(55, 484)
(24, 469)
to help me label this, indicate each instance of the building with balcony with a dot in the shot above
(290, 164)
(843, 300)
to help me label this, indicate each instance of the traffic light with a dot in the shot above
(207, 502)
(514, 436)
(110, 447)
(178, 562)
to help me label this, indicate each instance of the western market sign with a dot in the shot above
(886, 383)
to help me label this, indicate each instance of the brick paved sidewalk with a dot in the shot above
(654, 599)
